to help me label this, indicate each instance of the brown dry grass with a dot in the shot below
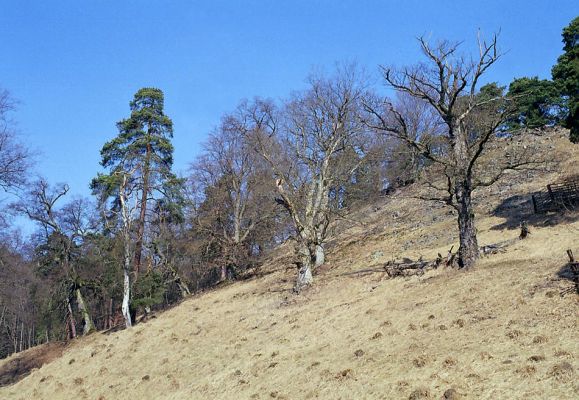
(500, 331)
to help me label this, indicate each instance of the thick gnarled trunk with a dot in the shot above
(468, 253)
(306, 265)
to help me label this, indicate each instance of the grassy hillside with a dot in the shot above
(500, 331)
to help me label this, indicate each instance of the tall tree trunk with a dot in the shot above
(71, 321)
(2, 316)
(126, 232)
(21, 335)
(15, 334)
(82, 307)
(143, 212)
(468, 253)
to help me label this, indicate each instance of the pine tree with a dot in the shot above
(566, 76)
(144, 151)
(538, 102)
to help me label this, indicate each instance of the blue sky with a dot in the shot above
(75, 65)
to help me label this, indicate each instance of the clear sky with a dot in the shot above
(75, 65)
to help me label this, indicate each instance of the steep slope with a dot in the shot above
(499, 331)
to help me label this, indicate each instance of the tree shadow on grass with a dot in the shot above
(519, 208)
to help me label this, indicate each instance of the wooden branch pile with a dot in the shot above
(558, 197)
(408, 267)
(574, 269)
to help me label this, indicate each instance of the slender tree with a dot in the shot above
(14, 158)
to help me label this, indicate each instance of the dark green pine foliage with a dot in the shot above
(566, 76)
(537, 103)
(142, 150)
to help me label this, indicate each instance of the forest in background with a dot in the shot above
(269, 173)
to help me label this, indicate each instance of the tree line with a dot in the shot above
(269, 173)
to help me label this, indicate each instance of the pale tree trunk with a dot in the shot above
(82, 307)
(320, 256)
(305, 267)
(305, 277)
(185, 292)
(468, 253)
(71, 321)
(127, 286)
(125, 213)
(15, 334)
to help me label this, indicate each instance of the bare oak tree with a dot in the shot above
(302, 144)
(471, 122)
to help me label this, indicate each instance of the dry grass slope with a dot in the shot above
(501, 331)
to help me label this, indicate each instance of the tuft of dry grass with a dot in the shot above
(562, 372)
(420, 393)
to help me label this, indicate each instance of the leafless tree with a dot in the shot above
(234, 196)
(14, 158)
(471, 124)
(302, 144)
(18, 310)
(62, 231)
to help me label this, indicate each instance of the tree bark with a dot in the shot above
(88, 322)
(468, 253)
(143, 212)
(127, 288)
(126, 231)
(305, 277)
(305, 266)
(71, 320)
(320, 256)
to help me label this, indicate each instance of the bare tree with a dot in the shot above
(233, 193)
(471, 122)
(62, 231)
(14, 158)
(404, 161)
(302, 145)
